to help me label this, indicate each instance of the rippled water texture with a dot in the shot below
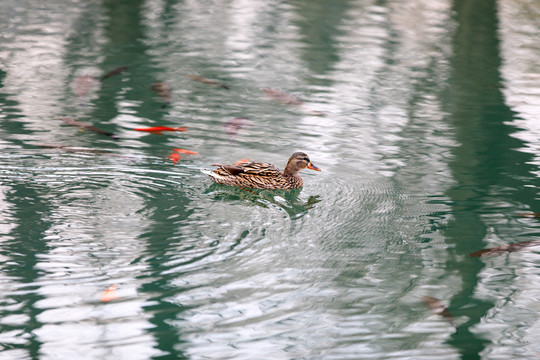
(422, 115)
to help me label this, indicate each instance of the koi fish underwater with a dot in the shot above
(164, 91)
(437, 307)
(207, 81)
(113, 72)
(504, 249)
(83, 84)
(282, 97)
(109, 294)
(175, 156)
(87, 126)
(160, 129)
(287, 99)
(233, 126)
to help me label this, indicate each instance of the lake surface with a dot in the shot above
(422, 115)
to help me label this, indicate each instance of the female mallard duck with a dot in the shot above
(262, 175)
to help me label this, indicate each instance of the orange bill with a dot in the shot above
(313, 167)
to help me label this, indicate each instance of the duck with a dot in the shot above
(258, 175)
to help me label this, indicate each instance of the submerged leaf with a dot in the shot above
(499, 250)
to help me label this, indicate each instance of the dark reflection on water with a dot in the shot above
(20, 252)
(320, 25)
(288, 200)
(480, 116)
(162, 240)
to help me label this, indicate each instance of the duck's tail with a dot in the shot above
(212, 174)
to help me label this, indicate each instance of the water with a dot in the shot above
(428, 145)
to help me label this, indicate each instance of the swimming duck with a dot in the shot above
(258, 175)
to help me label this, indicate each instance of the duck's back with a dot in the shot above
(255, 175)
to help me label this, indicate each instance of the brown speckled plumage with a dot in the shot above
(258, 175)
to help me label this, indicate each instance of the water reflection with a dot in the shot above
(481, 117)
(287, 200)
(21, 250)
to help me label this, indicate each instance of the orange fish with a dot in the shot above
(175, 157)
(109, 294)
(184, 151)
(159, 129)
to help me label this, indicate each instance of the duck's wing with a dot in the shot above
(260, 169)
(231, 169)
(248, 168)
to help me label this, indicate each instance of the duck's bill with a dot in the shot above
(313, 167)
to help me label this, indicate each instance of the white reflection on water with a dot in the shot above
(521, 70)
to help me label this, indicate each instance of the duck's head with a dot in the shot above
(299, 161)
